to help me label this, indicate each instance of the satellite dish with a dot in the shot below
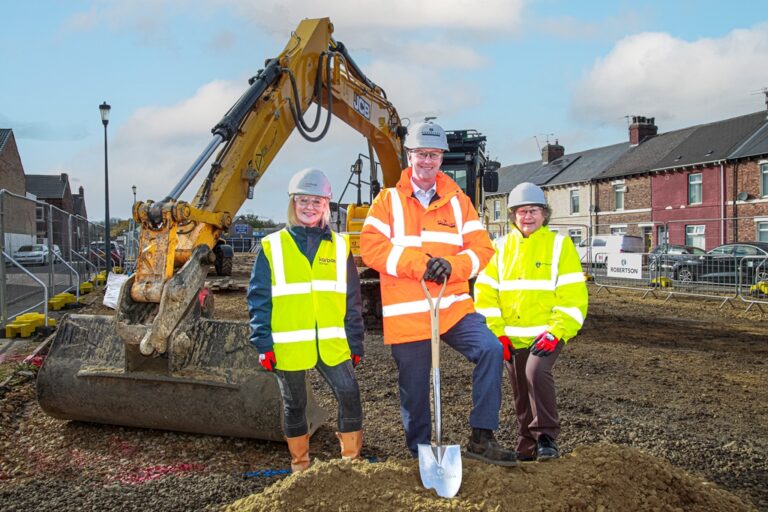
(742, 196)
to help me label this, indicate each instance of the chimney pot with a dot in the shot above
(551, 152)
(642, 129)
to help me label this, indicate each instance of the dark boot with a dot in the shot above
(483, 446)
(546, 448)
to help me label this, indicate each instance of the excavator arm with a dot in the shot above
(312, 68)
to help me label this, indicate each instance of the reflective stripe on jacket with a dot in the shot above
(532, 285)
(308, 301)
(397, 239)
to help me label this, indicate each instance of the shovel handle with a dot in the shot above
(434, 317)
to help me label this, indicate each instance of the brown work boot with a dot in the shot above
(299, 448)
(483, 446)
(351, 444)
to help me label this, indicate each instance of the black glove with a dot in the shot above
(438, 270)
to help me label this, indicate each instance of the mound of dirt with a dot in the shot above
(592, 477)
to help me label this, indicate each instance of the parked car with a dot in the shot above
(595, 250)
(740, 262)
(664, 256)
(34, 254)
(96, 254)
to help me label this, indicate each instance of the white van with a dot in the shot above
(602, 245)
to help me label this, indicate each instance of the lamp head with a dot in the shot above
(104, 110)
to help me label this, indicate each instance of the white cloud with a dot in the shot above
(676, 81)
(398, 15)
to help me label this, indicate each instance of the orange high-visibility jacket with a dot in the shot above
(397, 238)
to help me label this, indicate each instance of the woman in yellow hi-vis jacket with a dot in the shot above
(306, 312)
(534, 298)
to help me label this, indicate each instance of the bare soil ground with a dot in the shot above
(663, 406)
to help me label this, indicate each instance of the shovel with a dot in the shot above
(439, 466)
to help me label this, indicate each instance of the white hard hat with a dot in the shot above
(526, 193)
(426, 135)
(311, 182)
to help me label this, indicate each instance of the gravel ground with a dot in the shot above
(682, 382)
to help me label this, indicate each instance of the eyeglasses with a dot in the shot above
(426, 155)
(533, 212)
(307, 201)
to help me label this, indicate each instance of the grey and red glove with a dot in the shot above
(544, 344)
(508, 349)
(268, 361)
(355, 360)
(438, 270)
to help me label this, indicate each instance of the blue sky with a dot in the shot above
(520, 71)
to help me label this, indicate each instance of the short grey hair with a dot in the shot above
(547, 211)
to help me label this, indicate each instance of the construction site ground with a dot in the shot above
(664, 406)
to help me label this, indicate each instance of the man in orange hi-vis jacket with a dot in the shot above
(426, 227)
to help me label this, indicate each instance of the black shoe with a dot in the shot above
(546, 448)
(483, 446)
(526, 458)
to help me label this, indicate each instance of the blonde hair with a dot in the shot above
(293, 219)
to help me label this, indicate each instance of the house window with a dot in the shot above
(694, 188)
(619, 230)
(496, 209)
(575, 201)
(575, 235)
(764, 179)
(762, 231)
(661, 235)
(618, 195)
(694, 235)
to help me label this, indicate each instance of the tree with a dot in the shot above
(255, 222)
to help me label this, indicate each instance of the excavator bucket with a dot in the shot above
(209, 382)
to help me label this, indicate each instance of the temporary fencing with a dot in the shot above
(44, 251)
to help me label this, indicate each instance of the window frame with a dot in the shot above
(619, 191)
(575, 208)
(692, 235)
(697, 186)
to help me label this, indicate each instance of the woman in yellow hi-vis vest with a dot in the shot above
(534, 298)
(306, 312)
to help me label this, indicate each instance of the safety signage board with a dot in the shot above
(626, 265)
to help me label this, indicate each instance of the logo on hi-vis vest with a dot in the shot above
(447, 223)
(326, 261)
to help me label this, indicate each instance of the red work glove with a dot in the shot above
(507, 347)
(356, 360)
(544, 344)
(267, 360)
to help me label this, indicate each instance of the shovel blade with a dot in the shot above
(440, 468)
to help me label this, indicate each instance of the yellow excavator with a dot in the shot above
(162, 362)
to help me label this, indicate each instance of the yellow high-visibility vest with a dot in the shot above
(308, 301)
(533, 285)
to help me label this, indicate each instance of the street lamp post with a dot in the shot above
(104, 110)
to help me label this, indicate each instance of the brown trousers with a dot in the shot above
(535, 400)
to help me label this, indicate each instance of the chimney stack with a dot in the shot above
(551, 152)
(64, 177)
(81, 191)
(642, 129)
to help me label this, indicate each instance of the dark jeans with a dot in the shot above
(341, 379)
(470, 337)
(535, 399)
